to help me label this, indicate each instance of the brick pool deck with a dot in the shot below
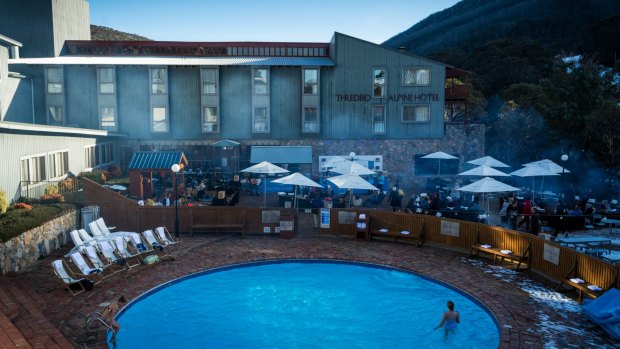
(523, 320)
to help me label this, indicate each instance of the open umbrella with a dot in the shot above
(439, 156)
(549, 165)
(351, 182)
(487, 161)
(534, 171)
(488, 185)
(351, 168)
(265, 168)
(297, 179)
(484, 171)
(332, 162)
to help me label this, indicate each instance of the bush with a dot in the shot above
(22, 206)
(97, 177)
(52, 199)
(15, 222)
(4, 202)
(114, 172)
(51, 189)
(67, 184)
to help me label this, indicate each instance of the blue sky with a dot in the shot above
(266, 20)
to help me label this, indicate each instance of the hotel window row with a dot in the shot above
(98, 155)
(410, 77)
(409, 114)
(277, 51)
(35, 169)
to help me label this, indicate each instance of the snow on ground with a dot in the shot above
(560, 322)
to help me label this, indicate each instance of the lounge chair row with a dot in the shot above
(103, 254)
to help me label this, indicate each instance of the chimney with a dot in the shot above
(402, 49)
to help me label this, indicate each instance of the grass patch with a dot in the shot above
(16, 221)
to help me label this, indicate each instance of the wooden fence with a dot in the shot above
(547, 257)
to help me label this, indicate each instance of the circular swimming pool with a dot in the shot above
(307, 304)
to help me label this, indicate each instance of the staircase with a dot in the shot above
(22, 323)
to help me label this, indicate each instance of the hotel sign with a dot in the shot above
(411, 97)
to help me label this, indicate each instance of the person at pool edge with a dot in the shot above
(449, 320)
(108, 316)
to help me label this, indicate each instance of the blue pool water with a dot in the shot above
(303, 305)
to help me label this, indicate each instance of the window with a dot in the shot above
(106, 80)
(108, 117)
(209, 119)
(260, 120)
(54, 80)
(158, 81)
(416, 113)
(378, 119)
(416, 76)
(59, 164)
(311, 81)
(311, 120)
(33, 169)
(209, 81)
(379, 77)
(98, 155)
(55, 115)
(160, 120)
(261, 85)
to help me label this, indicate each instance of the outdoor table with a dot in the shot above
(613, 258)
(587, 242)
(610, 223)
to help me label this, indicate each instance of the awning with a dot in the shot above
(157, 160)
(282, 154)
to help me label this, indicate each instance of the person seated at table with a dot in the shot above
(576, 211)
(220, 200)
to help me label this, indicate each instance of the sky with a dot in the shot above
(262, 20)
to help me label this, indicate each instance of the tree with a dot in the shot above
(603, 134)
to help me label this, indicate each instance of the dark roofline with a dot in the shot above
(196, 43)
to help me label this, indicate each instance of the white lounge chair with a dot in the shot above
(67, 277)
(101, 232)
(124, 252)
(98, 262)
(165, 238)
(153, 243)
(85, 269)
(77, 240)
(110, 255)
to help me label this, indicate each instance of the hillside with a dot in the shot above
(585, 26)
(108, 34)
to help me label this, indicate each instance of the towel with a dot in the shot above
(594, 288)
(506, 251)
(486, 246)
(577, 281)
(383, 230)
(405, 232)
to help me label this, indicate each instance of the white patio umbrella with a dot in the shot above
(351, 182)
(484, 171)
(549, 165)
(351, 168)
(439, 156)
(533, 171)
(265, 168)
(333, 161)
(487, 161)
(297, 179)
(487, 185)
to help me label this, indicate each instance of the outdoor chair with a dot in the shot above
(165, 238)
(78, 241)
(110, 255)
(98, 262)
(86, 270)
(68, 278)
(124, 251)
(153, 243)
(101, 231)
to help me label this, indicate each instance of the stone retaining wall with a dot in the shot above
(22, 251)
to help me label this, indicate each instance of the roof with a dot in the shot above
(19, 126)
(156, 160)
(10, 41)
(179, 61)
(282, 154)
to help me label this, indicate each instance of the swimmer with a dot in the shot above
(449, 320)
(108, 316)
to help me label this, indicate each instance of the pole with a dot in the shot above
(176, 207)
(265, 193)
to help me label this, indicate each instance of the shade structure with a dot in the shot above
(351, 168)
(351, 182)
(534, 171)
(297, 179)
(333, 161)
(225, 143)
(265, 168)
(439, 156)
(549, 165)
(484, 171)
(487, 161)
(487, 185)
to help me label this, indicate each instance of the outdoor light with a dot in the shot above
(564, 157)
(352, 155)
(175, 169)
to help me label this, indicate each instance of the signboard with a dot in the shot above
(325, 218)
(271, 217)
(450, 228)
(551, 254)
(346, 217)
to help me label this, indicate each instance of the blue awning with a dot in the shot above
(282, 154)
(156, 160)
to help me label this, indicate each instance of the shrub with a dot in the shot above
(51, 189)
(22, 206)
(52, 198)
(114, 172)
(4, 202)
(97, 177)
(67, 184)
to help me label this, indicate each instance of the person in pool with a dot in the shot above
(450, 319)
(108, 316)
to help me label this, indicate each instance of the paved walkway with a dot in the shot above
(530, 315)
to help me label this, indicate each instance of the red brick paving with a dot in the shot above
(513, 307)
